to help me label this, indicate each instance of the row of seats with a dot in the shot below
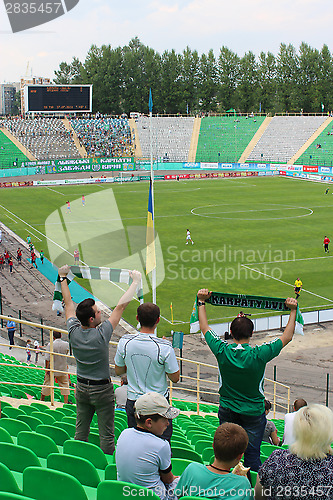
(45, 138)
(284, 136)
(171, 137)
(10, 155)
(224, 138)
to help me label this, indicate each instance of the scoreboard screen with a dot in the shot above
(58, 98)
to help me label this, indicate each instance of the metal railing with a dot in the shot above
(193, 380)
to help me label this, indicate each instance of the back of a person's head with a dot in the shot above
(56, 335)
(313, 430)
(299, 403)
(230, 441)
(84, 311)
(241, 328)
(148, 314)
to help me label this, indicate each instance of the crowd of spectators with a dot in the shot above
(103, 136)
(143, 451)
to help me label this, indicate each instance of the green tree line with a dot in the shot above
(291, 81)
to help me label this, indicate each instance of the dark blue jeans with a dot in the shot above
(254, 426)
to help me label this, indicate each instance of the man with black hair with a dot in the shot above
(89, 339)
(142, 457)
(242, 370)
(216, 481)
(147, 360)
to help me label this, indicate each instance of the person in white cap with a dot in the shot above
(142, 456)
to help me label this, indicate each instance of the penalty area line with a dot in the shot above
(286, 283)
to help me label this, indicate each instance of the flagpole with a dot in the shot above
(153, 274)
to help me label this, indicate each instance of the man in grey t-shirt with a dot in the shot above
(89, 339)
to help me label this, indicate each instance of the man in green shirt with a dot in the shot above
(242, 370)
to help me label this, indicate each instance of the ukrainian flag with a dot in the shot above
(150, 237)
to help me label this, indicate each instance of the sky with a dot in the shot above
(241, 25)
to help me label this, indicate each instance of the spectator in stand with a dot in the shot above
(59, 363)
(230, 442)
(6, 256)
(289, 436)
(142, 456)
(27, 350)
(242, 370)
(147, 360)
(270, 434)
(121, 393)
(11, 326)
(19, 255)
(33, 260)
(89, 338)
(10, 263)
(41, 256)
(306, 469)
(2, 261)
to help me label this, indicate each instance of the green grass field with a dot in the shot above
(251, 236)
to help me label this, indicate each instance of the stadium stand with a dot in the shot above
(283, 138)
(224, 138)
(171, 137)
(104, 137)
(45, 138)
(10, 155)
(320, 152)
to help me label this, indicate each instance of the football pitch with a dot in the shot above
(252, 235)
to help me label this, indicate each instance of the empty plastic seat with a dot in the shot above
(42, 484)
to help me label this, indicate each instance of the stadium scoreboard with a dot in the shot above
(58, 98)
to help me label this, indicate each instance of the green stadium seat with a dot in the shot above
(179, 465)
(17, 458)
(5, 437)
(88, 451)
(7, 480)
(187, 454)
(41, 445)
(30, 420)
(120, 490)
(111, 472)
(59, 436)
(42, 484)
(78, 467)
(14, 426)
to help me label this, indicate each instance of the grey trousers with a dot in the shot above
(99, 399)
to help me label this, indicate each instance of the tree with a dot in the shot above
(267, 81)
(247, 88)
(69, 74)
(208, 82)
(287, 79)
(228, 72)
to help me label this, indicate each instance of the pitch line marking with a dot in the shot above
(291, 260)
(64, 249)
(281, 207)
(286, 283)
(58, 192)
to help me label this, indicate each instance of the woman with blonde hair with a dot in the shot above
(306, 469)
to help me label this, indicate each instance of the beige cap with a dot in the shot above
(153, 403)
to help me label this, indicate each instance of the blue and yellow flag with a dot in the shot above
(150, 237)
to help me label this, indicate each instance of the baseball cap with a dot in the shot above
(152, 403)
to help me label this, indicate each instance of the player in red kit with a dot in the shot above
(326, 242)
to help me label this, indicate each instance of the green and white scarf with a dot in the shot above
(94, 273)
(243, 302)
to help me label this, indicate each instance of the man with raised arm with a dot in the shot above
(89, 339)
(242, 370)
